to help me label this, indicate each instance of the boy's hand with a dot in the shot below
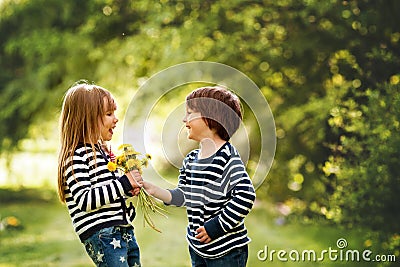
(149, 187)
(202, 235)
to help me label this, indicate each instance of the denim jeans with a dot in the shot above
(235, 258)
(113, 246)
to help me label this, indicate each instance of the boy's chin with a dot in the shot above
(193, 139)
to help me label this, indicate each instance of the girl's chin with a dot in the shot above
(108, 137)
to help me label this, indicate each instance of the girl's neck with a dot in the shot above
(209, 146)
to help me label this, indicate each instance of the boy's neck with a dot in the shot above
(209, 146)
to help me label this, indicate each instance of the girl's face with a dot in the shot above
(197, 128)
(108, 124)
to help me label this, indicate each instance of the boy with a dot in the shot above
(213, 183)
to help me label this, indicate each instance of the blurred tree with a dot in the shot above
(38, 51)
(324, 66)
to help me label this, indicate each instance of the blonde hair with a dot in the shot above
(83, 108)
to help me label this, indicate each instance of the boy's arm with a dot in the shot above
(169, 196)
(158, 192)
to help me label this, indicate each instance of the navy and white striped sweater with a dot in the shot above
(95, 197)
(218, 194)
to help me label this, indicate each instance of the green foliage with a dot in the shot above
(38, 49)
(329, 70)
(366, 155)
(364, 167)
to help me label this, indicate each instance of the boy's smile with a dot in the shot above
(197, 127)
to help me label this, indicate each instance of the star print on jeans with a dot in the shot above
(116, 243)
(90, 249)
(100, 257)
(122, 259)
(127, 237)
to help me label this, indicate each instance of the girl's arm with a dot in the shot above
(88, 197)
(135, 179)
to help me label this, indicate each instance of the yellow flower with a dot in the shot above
(12, 221)
(145, 162)
(128, 160)
(121, 147)
(131, 152)
(133, 164)
(128, 150)
(120, 159)
(111, 166)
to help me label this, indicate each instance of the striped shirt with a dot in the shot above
(218, 194)
(95, 197)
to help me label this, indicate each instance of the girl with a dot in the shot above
(94, 195)
(213, 182)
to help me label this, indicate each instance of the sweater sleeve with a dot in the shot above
(178, 195)
(240, 204)
(89, 196)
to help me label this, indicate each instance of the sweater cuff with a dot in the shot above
(214, 228)
(126, 185)
(178, 198)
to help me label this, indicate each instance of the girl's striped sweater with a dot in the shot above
(95, 197)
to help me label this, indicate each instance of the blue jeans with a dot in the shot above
(235, 258)
(113, 246)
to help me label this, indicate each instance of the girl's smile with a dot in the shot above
(107, 129)
(107, 125)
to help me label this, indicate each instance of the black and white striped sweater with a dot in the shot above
(218, 194)
(95, 196)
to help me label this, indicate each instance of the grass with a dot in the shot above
(47, 237)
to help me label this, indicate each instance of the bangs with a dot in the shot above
(110, 104)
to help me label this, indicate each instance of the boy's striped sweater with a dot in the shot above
(218, 194)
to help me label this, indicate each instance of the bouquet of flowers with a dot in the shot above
(129, 160)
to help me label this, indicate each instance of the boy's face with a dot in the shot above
(197, 128)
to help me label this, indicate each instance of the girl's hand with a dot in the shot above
(202, 235)
(135, 191)
(135, 178)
